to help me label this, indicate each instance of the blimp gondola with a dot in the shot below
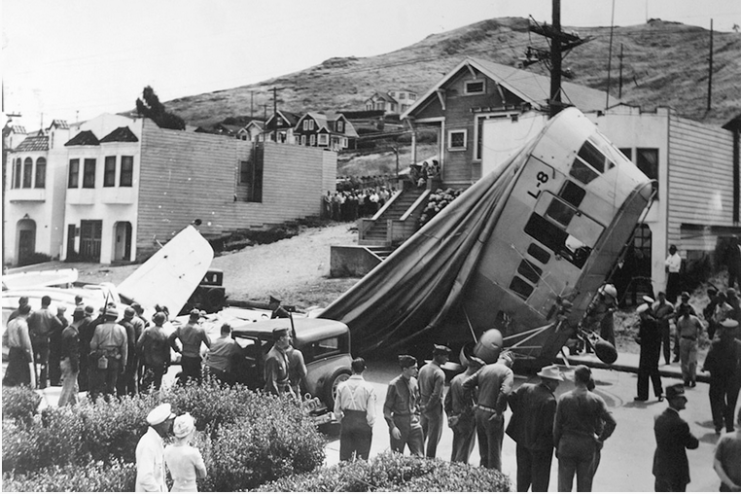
(523, 251)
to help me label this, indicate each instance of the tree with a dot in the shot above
(153, 109)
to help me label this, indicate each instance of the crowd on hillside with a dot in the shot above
(349, 205)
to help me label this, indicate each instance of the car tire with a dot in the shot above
(330, 386)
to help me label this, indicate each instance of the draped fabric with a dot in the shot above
(412, 292)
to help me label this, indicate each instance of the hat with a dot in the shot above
(79, 310)
(609, 290)
(642, 308)
(467, 357)
(675, 391)
(159, 318)
(278, 332)
(111, 312)
(194, 314)
(729, 323)
(183, 425)
(61, 309)
(407, 361)
(440, 350)
(551, 372)
(648, 299)
(160, 414)
(685, 295)
(137, 307)
(129, 313)
(89, 309)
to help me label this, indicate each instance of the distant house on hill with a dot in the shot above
(477, 90)
(113, 188)
(328, 130)
(253, 131)
(395, 101)
(280, 126)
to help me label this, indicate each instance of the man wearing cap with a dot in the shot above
(277, 380)
(673, 437)
(40, 325)
(155, 353)
(689, 328)
(86, 330)
(724, 364)
(684, 303)
(531, 427)
(355, 408)
(69, 353)
(459, 407)
(431, 383)
(401, 409)
(727, 460)
(581, 425)
(150, 461)
(649, 338)
(494, 382)
(191, 336)
(663, 311)
(111, 349)
(127, 382)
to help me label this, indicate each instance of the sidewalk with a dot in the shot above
(628, 362)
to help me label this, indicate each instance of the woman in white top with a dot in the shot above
(183, 460)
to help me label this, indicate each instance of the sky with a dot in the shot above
(76, 59)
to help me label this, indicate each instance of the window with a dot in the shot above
(17, 174)
(340, 126)
(303, 140)
(628, 152)
(539, 254)
(109, 172)
(40, 181)
(572, 193)
(379, 105)
(74, 174)
(250, 175)
(521, 287)
(529, 271)
(127, 171)
(88, 176)
(475, 87)
(402, 95)
(457, 140)
(312, 140)
(556, 239)
(560, 212)
(589, 163)
(306, 124)
(27, 173)
(412, 95)
(311, 124)
(344, 143)
(323, 139)
(647, 160)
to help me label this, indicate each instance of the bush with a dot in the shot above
(394, 472)
(436, 203)
(20, 403)
(93, 477)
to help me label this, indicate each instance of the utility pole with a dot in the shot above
(620, 82)
(609, 57)
(555, 103)
(710, 69)
(275, 114)
(252, 104)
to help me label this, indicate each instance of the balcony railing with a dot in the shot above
(27, 195)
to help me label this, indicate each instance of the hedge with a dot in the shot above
(394, 472)
(20, 403)
(245, 438)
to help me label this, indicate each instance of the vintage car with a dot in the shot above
(325, 345)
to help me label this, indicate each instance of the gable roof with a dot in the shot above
(18, 129)
(532, 88)
(60, 124)
(290, 118)
(255, 123)
(121, 134)
(38, 142)
(84, 138)
(383, 97)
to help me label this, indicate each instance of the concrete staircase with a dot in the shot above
(399, 210)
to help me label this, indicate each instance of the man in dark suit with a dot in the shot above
(673, 438)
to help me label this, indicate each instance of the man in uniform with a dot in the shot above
(127, 382)
(221, 356)
(581, 425)
(689, 328)
(459, 407)
(673, 438)
(355, 408)
(69, 353)
(531, 427)
(55, 342)
(683, 303)
(401, 409)
(191, 335)
(276, 364)
(663, 311)
(724, 364)
(494, 382)
(431, 383)
(85, 330)
(40, 326)
(111, 349)
(150, 451)
(649, 338)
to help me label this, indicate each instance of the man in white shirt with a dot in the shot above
(150, 460)
(355, 407)
(673, 266)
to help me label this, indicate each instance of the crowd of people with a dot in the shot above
(349, 205)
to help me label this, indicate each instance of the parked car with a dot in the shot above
(324, 343)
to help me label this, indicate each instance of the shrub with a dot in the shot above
(20, 403)
(394, 472)
(436, 203)
(93, 477)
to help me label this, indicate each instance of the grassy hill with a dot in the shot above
(664, 64)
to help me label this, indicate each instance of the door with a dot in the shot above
(122, 242)
(71, 254)
(91, 232)
(26, 242)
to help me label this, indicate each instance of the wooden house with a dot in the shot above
(326, 130)
(280, 126)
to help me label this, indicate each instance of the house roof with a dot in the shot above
(322, 119)
(38, 142)
(84, 138)
(384, 97)
(532, 88)
(60, 124)
(256, 123)
(290, 118)
(18, 129)
(121, 134)
(734, 123)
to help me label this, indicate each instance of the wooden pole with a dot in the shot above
(710, 69)
(555, 103)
